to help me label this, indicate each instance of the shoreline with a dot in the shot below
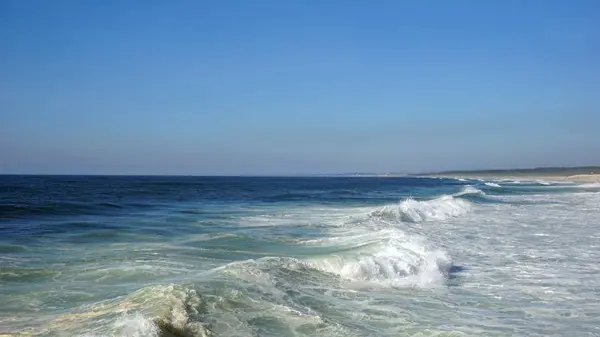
(577, 178)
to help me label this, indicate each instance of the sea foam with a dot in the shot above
(490, 184)
(411, 210)
(392, 265)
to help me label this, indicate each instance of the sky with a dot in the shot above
(297, 87)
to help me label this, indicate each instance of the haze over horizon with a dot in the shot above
(301, 87)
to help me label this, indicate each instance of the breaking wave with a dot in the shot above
(155, 311)
(411, 210)
(490, 184)
(589, 185)
(384, 258)
(388, 258)
(469, 190)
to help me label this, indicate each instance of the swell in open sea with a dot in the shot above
(233, 256)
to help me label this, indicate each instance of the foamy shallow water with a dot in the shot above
(370, 257)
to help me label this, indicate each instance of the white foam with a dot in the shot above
(147, 312)
(135, 325)
(590, 185)
(411, 210)
(396, 260)
(469, 190)
(385, 257)
(492, 185)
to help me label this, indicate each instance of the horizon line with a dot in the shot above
(347, 174)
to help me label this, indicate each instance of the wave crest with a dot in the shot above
(396, 261)
(469, 190)
(385, 258)
(158, 311)
(490, 184)
(411, 210)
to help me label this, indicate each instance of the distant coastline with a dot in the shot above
(576, 174)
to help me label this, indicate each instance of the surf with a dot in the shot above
(388, 258)
(411, 210)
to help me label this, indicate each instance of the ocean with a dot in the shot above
(317, 256)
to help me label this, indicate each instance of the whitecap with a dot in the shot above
(490, 184)
(469, 190)
(411, 210)
(395, 259)
(589, 185)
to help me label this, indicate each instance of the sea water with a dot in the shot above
(320, 256)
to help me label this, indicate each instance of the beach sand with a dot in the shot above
(578, 178)
(585, 178)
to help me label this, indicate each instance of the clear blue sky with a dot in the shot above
(287, 87)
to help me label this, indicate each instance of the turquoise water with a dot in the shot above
(194, 256)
